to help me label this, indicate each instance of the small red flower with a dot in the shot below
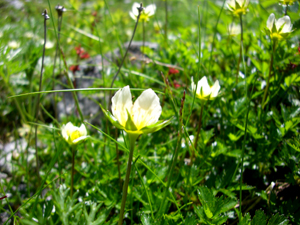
(79, 50)
(173, 71)
(176, 84)
(84, 55)
(299, 49)
(74, 68)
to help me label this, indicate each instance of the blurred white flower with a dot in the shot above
(204, 91)
(145, 14)
(13, 44)
(72, 134)
(279, 29)
(238, 7)
(234, 29)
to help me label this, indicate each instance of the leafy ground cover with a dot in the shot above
(226, 152)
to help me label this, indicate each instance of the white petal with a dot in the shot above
(150, 10)
(215, 89)
(203, 88)
(120, 103)
(79, 139)
(270, 22)
(287, 27)
(193, 84)
(134, 10)
(247, 2)
(146, 109)
(132, 15)
(64, 132)
(231, 4)
(82, 130)
(241, 2)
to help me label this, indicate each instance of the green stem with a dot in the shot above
(215, 34)
(143, 51)
(269, 77)
(166, 22)
(132, 139)
(198, 130)
(39, 96)
(240, 57)
(72, 173)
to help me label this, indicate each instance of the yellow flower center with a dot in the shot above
(75, 135)
(240, 11)
(144, 17)
(276, 36)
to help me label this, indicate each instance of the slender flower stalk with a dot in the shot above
(277, 30)
(166, 21)
(136, 119)
(204, 92)
(46, 17)
(73, 171)
(198, 129)
(60, 10)
(140, 9)
(174, 159)
(241, 47)
(73, 135)
(132, 139)
(270, 74)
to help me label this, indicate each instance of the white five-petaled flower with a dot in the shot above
(238, 7)
(144, 112)
(279, 29)
(145, 14)
(204, 91)
(72, 134)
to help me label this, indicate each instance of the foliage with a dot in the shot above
(240, 137)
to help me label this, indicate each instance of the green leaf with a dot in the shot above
(278, 220)
(207, 200)
(156, 127)
(259, 218)
(130, 126)
(246, 220)
(111, 118)
(235, 137)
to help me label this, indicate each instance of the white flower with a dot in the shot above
(13, 44)
(234, 29)
(279, 29)
(73, 134)
(238, 7)
(145, 14)
(145, 111)
(204, 91)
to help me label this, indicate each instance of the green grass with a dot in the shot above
(171, 180)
